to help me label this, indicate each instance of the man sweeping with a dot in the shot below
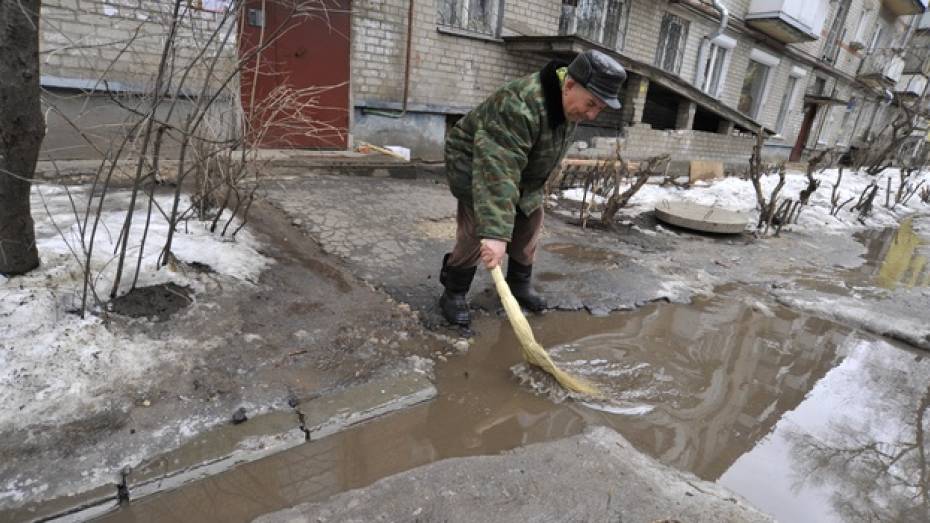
(498, 158)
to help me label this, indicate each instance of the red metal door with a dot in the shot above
(295, 81)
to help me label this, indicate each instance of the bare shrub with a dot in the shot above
(213, 144)
(758, 171)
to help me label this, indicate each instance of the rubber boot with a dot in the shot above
(453, 302)
(519, 278)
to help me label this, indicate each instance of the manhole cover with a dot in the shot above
(706, 218)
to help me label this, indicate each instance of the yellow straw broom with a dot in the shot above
(533, 352)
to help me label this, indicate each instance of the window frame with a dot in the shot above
(720, 52)
(770, 63)
(662, 46)
(843, 139)
(830, 51)
(461, 8)
(787, 101)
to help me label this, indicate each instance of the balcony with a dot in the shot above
(882, 68)
(789, 21)
(906, 7)
(911, 85)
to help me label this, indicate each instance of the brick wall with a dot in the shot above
(447, 71)
(642, 142)
(122, 41)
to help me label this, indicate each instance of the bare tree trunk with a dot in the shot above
(22, 129)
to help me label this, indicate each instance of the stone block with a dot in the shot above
(705, 170)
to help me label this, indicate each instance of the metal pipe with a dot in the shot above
(706, 42)
(407, 58)
(408, 52)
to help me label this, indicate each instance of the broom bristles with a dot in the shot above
(533, 352)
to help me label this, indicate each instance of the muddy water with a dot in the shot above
(896, 257)
(728, 388)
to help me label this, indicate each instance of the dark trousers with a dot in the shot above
(522, 246)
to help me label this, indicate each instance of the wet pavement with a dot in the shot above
(744, 362)
(733, 388)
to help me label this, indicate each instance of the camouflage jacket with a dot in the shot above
(499, 155)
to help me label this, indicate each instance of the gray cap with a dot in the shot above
(600, 74)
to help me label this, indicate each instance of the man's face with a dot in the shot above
(578, 103)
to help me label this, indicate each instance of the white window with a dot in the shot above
(673, 34)
(477, 16)
(713, 72)
(831, 46)
(786, 100)
(756, 83)
(844, 133)
(876, 39)
(601, 21)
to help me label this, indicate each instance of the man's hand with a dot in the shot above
(492, 252)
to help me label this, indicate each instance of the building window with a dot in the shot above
(477, 16)
(831, 46)
(786, 100)
(600, 21)
(672, 37)
(713, 72)
(756, 82)
(876, 39)
(845, 133)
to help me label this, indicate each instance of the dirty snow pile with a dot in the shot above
(737, 194)
(53, 363)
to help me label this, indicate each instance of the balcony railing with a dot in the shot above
(882, 68)
(788, 20)
(906, 7)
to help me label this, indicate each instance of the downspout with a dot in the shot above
(408, 52)
(706, 41)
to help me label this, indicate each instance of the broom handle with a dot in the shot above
(502, 288)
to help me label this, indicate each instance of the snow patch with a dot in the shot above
(737, 194)
(54, 365)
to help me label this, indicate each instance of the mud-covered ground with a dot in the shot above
(393, 232)
(306, 329)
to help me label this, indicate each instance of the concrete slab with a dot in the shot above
(699, 217)
(597, 476)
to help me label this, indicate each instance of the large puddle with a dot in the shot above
(897, 257)
(807, 419)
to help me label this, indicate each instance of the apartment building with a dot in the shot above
(703, 75)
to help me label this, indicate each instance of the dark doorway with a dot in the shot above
(661, 109)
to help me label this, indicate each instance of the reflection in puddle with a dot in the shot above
(897, 257)
(700, 387)
(854, 450)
